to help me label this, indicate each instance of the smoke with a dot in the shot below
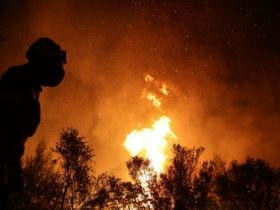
(222, 60)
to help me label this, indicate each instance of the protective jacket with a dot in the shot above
(19, 97)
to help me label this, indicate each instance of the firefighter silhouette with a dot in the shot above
(20, 87)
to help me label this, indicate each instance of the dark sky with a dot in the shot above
(222, 59)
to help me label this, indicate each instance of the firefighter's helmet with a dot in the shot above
(45, 50)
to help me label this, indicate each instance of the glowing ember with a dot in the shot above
(154, 91)
(163, 89)
(148, 78)
(153, 98)
(152, 142)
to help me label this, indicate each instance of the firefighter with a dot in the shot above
(20, 87)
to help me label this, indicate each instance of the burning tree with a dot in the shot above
(151, 192)
(148, 148)
(151, 141)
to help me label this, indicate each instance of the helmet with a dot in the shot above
(45, 50)
(47, 57)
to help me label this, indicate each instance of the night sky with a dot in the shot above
(221, 58)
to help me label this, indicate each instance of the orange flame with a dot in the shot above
(153, 141)
(153, 98)
(148, 78)
(154, 91)
(163, 89)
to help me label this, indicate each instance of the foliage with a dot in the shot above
(40, 182)
(67, 182)
(151, 193)
(75, 156)
(178, 180)
(63, 183)
(249, 185)
(112, 193)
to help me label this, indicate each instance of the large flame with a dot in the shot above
(152, 142)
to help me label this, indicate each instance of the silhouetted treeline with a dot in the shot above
(62, 178)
